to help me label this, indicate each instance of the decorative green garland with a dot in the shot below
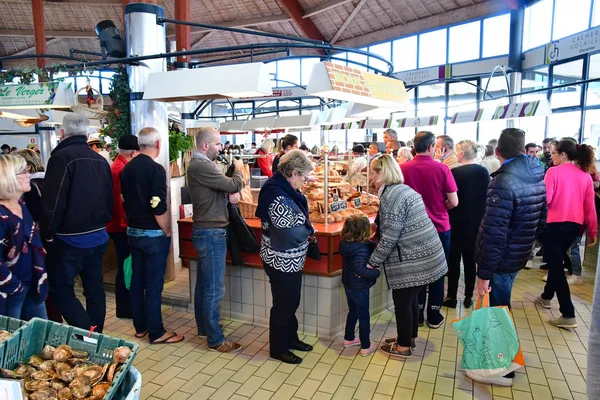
(28, 75)
(119, 121)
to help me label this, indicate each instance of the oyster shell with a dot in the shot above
(76, 361)
(35, 385)
(24, 370)
(63, 353)
(42, 375)
(80, 387)
(65, 372)
(121, 353)
(95, 373)
(10, 374)
(65, 394)
(81, 380)
(100, 390)
(4, 335)
(112, 371)
(43, 394)
(80, 354)
(48, 352)
(47, 365)
(58, 384)
(80, 369)
(35, 360)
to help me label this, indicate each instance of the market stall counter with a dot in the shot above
(323, 306)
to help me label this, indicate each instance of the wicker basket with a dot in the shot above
(248, 210)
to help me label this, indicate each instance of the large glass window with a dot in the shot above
(432, 48)
(567, 73)
(307, 67)
(496, 35)
(464, 42)
(489, 130)
(566, 124)
(538, 24)
(358, 58)
(534, 128)
(462, 97)
(432, 99)
(591, 132)
(596, 13)
(570, 17)
(405, 54)
(535, 79)
(593, 92)
(383, 50)
(341, 56)
(288, 71)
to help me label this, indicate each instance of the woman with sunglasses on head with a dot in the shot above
(286, 230)
(23, 279)
(570, 197)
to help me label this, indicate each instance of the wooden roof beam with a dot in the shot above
(307, 26)
(321, 8)
(49, 34)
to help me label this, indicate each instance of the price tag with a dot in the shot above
(369, 200)
(336, 197)
(339, 206)
(321, 210)
(357, 202)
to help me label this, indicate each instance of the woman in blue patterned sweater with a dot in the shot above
(286, 230)
(23, 279)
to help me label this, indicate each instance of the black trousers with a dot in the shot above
(468, 258)
(406, 308)
(121, 293)
(286, 288)
(557, 240)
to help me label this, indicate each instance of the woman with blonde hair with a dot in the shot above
(472, 181)
(23, 279)
(265, 163)
(33, 198)
(408, 248)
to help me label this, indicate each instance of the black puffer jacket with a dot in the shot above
(355, 256)
(515, 213)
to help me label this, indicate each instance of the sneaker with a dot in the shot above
(545, 278)
(436, 326)
(494, 380)
(413, 344)
(575, 280)
(227, 347)
(392, 350)
(529, 264)
(450, 303)
(540, 252)
(366, 352)
(352, 343)
(563, 322)
(543, 302)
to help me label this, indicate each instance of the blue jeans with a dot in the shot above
(25, 305)
(575, 256)
(436, 290)
(211, 245)
(501, 284)
(149, 263)
(66, 263)
(358, 310)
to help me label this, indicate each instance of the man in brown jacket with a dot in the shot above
(444, 151)
(210, 190)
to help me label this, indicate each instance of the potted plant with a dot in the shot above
(178, 143)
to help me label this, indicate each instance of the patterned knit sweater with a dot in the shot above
(409, 247)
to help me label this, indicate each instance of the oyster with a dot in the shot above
(47, 365)
(43, 394)
(4, 335)
(81, 380)
(80, 387)
(112, 371)
(42, 375)
(48, 352)
(65, 372)
(24, 369)
(35, 361)
(76, 361)
(35, 385)
(10, 374)
(100, 390)
(80, 354)
(65, 394)
(63, 353)
(58, 384)
(121, 353)
(95, 373)
(80, 369)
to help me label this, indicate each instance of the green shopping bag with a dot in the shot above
(127, 271)
(490, 341)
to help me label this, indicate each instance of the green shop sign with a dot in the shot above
(38, 94)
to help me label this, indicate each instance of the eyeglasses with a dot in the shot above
(26, 172)
(306, 178)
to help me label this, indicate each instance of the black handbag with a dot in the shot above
(313, 249)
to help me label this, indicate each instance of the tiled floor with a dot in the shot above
(556, 360)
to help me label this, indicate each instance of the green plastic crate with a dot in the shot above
(31, 338)
(11, 325)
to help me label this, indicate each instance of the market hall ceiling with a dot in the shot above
(353, 23)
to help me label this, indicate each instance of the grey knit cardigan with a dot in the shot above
(409, 247)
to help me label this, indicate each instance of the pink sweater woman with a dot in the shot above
(570, 197)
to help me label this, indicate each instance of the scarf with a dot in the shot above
(277, 186)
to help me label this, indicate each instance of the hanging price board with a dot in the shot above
(357, 202)
(338, 206)
(336, 197)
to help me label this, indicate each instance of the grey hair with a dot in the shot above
(406, 153)
(470, 149)
(446, 140)
(267, 145)
(391, 132)
(295, 160)
(148, 137)
(75, 125)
